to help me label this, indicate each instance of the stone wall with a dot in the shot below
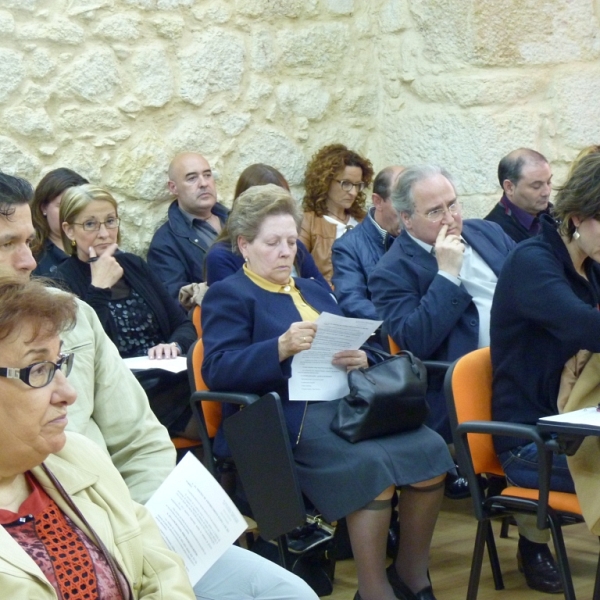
(114, 88)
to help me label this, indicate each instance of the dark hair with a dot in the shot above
(52, 184)
(13, 192)
(511, 166)
(580, 195)
(382, 184)
(321, 171)
(257, 174)
(30, 301)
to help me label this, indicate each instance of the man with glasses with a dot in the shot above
(112, 408)
(434, 286)
(355, 254)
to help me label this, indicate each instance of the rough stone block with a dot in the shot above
(171, 4)
(41, 63)
(315, 51)
(120, 27)
(77, 118)
(29, 122)
(574, 97)
(265, 9)
(26, 5)
(95, 75)
(35, 95)
(80, 7)
(212, 62)
(272, 147)
(7, 22)
(152, 75)
(16, 161)
(480, 88)
(189, 133)
(263, 54)
(235, 123)
(59, 30)
(340, 7)
(12, 71)
(143, 4)
(307, 99)
(394, 16)
(258, 91)
(218, 14)
(169, 26)
(84, 159)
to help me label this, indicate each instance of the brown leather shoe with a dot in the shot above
(539, 567)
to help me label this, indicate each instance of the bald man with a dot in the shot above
(195, 218)
(525, 177)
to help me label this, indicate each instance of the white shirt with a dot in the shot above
(341, 228)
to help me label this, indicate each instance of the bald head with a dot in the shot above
(526, 177)
(385, 215)
(191, 182)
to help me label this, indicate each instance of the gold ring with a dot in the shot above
(304, 340)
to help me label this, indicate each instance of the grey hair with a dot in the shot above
(402, 194)
(253, 206)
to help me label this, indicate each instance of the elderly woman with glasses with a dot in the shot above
(132, 304)
(334, 200)
(68, 526)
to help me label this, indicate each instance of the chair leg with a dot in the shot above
(561, 558)
(504, 528)
(493, 556)
(477, 561)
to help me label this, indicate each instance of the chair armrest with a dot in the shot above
(436, 366)
(230, 397)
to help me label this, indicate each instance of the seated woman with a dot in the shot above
(62, 502)
(254, 322)
(221, 261)
(545, 310)
(47, 247)
(334, 200)
(132, 304)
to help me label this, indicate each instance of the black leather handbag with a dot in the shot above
(386, 398)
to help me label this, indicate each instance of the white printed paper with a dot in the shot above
(174, 365)
(313, 375)
(583, 416)
(196, 518)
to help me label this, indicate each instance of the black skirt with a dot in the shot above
(339, 477)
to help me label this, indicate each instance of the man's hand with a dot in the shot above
(106, 271)
(449, 252)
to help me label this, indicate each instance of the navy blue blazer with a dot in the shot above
(241, 324)
(176, 255)
(354, 256)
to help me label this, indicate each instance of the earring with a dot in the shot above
(45, 214)
(576, 234)
(73, 243)
(245, 259)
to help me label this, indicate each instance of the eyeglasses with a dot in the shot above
(438, 214)
(348, 185)
(41, 374)
(93, 225)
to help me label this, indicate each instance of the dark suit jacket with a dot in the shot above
(426, 313)
(241, 324)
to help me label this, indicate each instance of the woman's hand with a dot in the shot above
(350, 359)
(106, 271)
(298, 337)
(164, 351)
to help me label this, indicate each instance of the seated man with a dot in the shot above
(179, 246)
(112, 410)
(434, 286)
(355, 254)
(526, 177)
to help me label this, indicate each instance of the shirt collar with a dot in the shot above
(523, 217)
(191, 219)
(269, 286)
(382, 232)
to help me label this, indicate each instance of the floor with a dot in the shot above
(451, 560)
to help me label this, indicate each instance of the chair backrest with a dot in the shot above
(469, 397)
(394, 348)
(197, 320)
(260, 446)
(212, 411)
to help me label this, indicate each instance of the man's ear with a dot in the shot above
(406, 221)
(172, 187)
(509, 188)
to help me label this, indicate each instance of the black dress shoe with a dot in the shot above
(357, 596)
(537, 564)
(456, 486)
(402, 591)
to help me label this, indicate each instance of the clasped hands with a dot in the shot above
(301, 335)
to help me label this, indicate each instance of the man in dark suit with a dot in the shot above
(525, 177)
(434, 289)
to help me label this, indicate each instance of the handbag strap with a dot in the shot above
(383, 355)
(126, 593)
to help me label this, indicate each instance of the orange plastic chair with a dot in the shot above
(468, 388)
(196, 319)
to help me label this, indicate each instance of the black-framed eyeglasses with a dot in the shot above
(93, 225)
(348, 185)
(42, 373)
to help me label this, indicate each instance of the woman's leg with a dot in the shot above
(418, 509)
(368, 529)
